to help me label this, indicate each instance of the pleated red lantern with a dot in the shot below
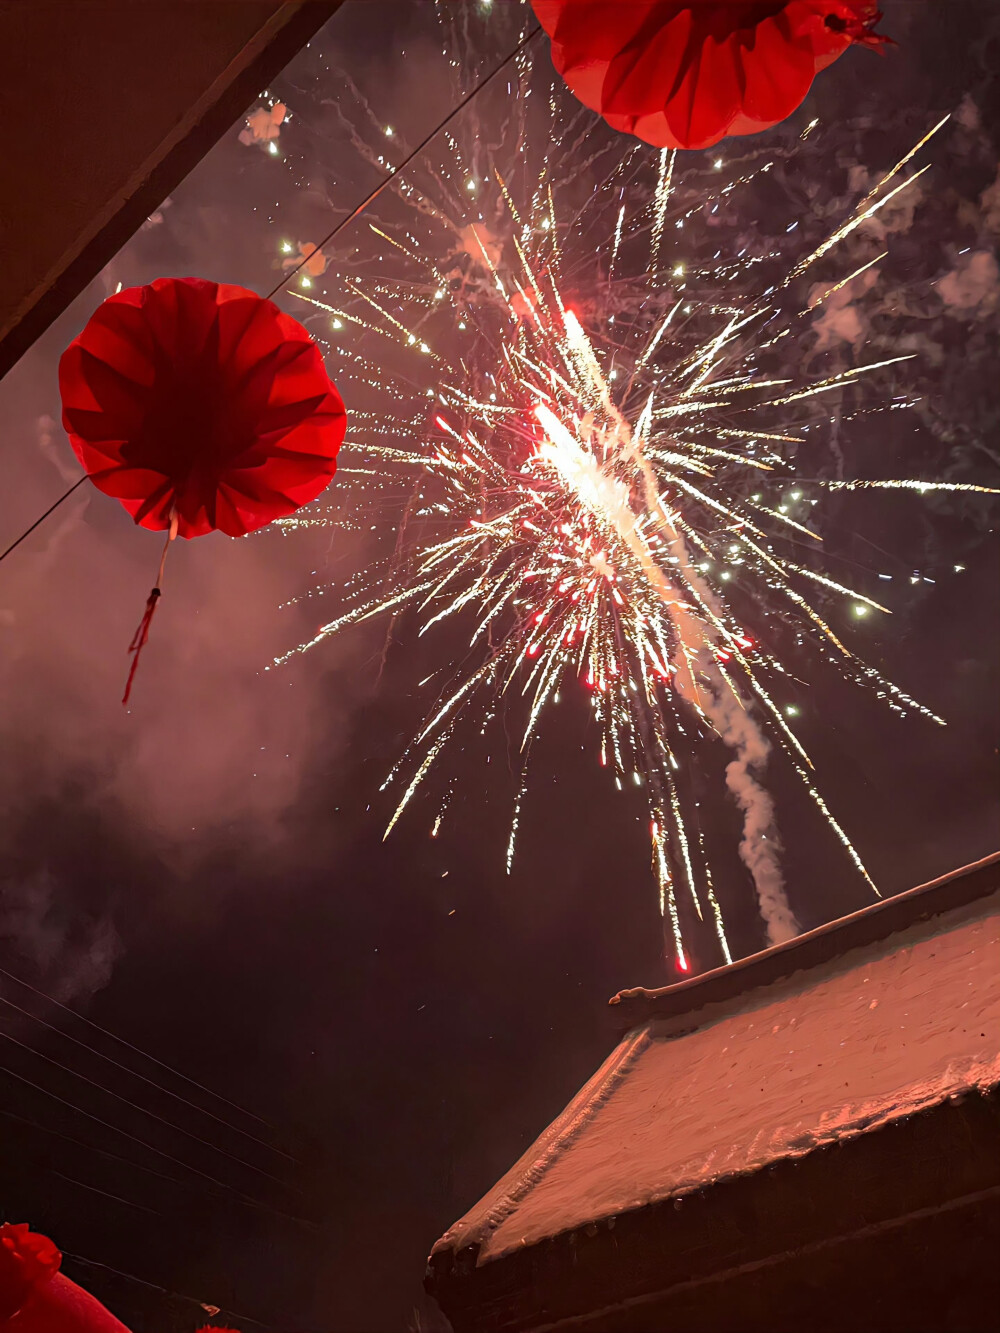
(685, 75)
(36, 1298)
(199, 406)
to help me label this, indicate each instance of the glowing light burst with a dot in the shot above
(580, 511)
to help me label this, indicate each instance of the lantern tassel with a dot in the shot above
(861, 30)
(141, 636)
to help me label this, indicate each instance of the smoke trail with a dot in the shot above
(605, 495)
(760, 844)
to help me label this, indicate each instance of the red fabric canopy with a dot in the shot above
(60, 1306)
(36, 1298)
(202, 399)
(685, 75)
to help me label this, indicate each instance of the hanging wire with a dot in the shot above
(105, 1194)
(42, 517)
(281, 284)
(230, 1190)
(48, 1059)
(370, 198)
(133, 1138)
(135, 1073)
(186, 1186)
(334, 231)
(208, 1308)
(146, 1056)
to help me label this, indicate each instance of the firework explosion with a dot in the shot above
(597, 508)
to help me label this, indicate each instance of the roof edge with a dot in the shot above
(867, 926)
(263, 57)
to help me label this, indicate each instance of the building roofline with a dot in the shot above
(103, 225)
(959, 888)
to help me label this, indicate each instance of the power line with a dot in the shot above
(370, 198)
(181, 1184)
(115, 1129)
(42, 517)
(141, 1109)
(173, 1295)
(136, 1050)
(344, 222)
(129, 1203)
(35, 1127)
(134, 1073)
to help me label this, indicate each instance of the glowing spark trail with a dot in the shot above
(582, 508)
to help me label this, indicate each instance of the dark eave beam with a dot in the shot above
(107, 105)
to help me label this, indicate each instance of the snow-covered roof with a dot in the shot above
(876, 1017)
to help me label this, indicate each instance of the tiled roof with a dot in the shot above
(871, 1019)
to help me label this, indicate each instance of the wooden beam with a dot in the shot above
(107, 106)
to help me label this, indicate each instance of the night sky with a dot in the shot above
(205, 875)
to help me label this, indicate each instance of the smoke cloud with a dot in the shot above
(263, 125)
(67, 953)
(972, 288)
(989, 203)
(107, 814)
(839, 319)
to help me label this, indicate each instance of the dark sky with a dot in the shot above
(205, 875)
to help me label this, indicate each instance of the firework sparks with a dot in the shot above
(581, 513)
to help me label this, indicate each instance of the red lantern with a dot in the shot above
(36, 1298)
(685, 75)
(199, 406)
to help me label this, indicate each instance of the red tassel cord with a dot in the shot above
(861, 30)
(141, 636)
(139, 639)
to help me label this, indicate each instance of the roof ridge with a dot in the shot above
(833, 939)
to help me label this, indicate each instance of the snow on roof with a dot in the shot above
(727, 1086)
